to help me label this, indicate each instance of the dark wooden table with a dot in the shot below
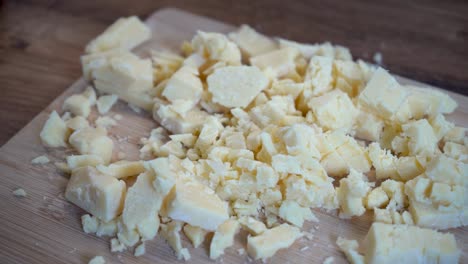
(41, 41)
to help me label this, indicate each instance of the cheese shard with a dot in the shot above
(123, 74)
(77, 161)
(141, 207)
(184, 84)
(383, 95)
(125, 33)
(251, 42)
(122, 169)
(105, 103)
(55, 132)
(350, 249)
(236, 86)
(95, 141)
(96, 193)
(195, 234)
(280, 62)
(409, 244)
(223, 238)
(351, 194)
(269, 242)
(97, 260)
(295, 214)
(252, 225)
(217, 47)
(171, 232)
(193, 203)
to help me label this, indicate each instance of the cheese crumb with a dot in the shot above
(105, 103)
(40, 160)
(20, 192)
(97, 260)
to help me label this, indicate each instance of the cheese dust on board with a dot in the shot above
(254, 133)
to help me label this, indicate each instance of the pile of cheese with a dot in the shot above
(254, 133)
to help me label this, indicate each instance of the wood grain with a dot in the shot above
(44, 228)
(40, 40)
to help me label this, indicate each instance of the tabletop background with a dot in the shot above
(41, 40)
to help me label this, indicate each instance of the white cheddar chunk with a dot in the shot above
(251, 42)
(96, 193)
(105, 121)
(217, 47)
(125, 33)
(223, 238)
(319, 75)
(78, 104)
(409, 244)
(105, 103)
(55, 132)
(171, 232)
(195, 234)
(141, 207)
(90, 224)
(193, 203)
(236, 86)
(351, 194)
(295, 214)
(77, 122)
(184, 84)
(350, 249)
(122, 169)
(269, 242)
(383, 94)
(95, 141)
(252, 225)
(77, 161)
(280, 62)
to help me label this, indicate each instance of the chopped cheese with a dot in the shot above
(40, 160)
(193, 203)
(94, 141)
(55, 132)
(223, 238)
(78, 161)
(251, 42)
(20, 192)
(77, 122)
(105, 103)
(218, 47)
(171, 232)
(236, 86)
(77, 104)
(96, 193)
(184, 84)
(97, 260)
(90, 224)
(409, 244)
(269, 242)
(351, 194)
(279, 62)
(295, 214)
(125, 33)
(196, 234)
(105, 121)
(350, 249)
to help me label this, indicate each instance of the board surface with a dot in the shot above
(44, 228)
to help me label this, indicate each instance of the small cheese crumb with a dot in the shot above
(40, 160)
(97, 260)
(328, 260)
(140, 250)
(105, 121)
(378, 58)
(20, 192)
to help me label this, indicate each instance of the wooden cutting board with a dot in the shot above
(44, 228)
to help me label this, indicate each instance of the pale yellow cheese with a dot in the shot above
(40, 160)
(90, 224)
(295, 214)
(55, 132)
(77, 122)
(125, 33)
(184, 84)
(94, 141)
(269, 242)
(409, 244)
(223, 238)
(167, 116)
(216, 46)
(368, 126)
(195, 234)
(351, 194)
(350, 249)
(319, 74)
(105, 103)
(140, 250)
(193, 203)
(78, 104)
(251, 42)
(383, 95)
(421, 138)
(77, 161)
(252, 225)
(279, 62)
(97, 260)
(376, 198)
(122, 169)
(96, 193)
(171, 232)
(236, 86)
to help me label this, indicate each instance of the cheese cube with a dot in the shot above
(368, 126)
(306, 50)
(440, 126)
(383, 162)
(217, 47)
(333, 110)
(447, 170)
(78, 122)
(383, 94)
(193, 203)
(409, 244)
(78, 161)
(351, 193)
(427, 215)
(141, 207)
(96, 193)
(376, 198)
(184, 84)
(295, 214)
(253, 226)
(423, 101)
(171, 232)
(251, 42)
(125, 33)
(456, 151)
(107, 228)
(319, 74)
(421, 137)
(90, 223)
(236, 86)
(123, 74)
(195, 234)
(269, 242)
(456, 135)
(223, 238)
(55, 132)
(395, 190)
(350, 249)
(191, 121)
(91, 140)
(122, 169)
(279, 62)
(105, 103)
(78, 104)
